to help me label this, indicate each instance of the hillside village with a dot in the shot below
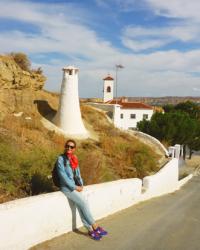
(99, 125)
(110, 155)
(30, 150)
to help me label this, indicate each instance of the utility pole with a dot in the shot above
(117, 67)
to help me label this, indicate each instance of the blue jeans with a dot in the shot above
(82, 207)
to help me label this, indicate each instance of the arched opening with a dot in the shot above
(108, 89)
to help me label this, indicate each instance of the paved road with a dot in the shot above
(171, 222)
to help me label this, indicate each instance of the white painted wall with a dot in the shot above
(102, 106)
(108, 96)
(68, 117)
(127, 122)
(177, 151)
(151, 139)
(164, 181)
(171, 151)
(116, 116)
(29, 221)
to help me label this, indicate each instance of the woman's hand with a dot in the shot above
(79, 188)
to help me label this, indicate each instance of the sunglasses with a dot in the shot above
(70, 146)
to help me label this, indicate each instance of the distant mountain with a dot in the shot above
(160, 101)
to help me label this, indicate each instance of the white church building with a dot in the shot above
(128, 114)
(125, 114)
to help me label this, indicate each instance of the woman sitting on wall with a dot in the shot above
(71, 184)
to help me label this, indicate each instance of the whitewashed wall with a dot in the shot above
(107, 96)
(150, 139)
(68, 117)
(105, 107)
(116, 116)
(164, 181)
(29, 221)
(127, 122)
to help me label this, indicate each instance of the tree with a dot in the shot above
(191, 108)
(174, 128)
(194, 144)
(168, 108)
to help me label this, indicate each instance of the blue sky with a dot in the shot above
(157, 42)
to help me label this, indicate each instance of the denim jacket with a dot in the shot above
(65, 174)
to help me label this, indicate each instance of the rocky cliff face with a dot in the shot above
(13, 77)
(19, 90)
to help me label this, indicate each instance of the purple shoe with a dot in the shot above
(101, 231)
(94, 235)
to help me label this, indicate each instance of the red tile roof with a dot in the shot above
(108, 78)
(130, 105)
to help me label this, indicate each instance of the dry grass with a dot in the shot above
(122, 155)
(28, 153)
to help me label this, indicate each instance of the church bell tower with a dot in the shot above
(108, 89)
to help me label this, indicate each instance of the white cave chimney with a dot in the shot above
(68, 117)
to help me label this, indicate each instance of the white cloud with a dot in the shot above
(139, 38)
(196, 89)
(121, 5)
(139, 45)
(182, 31)
(56, 34)
(176, 8)
(102, 3)
(184, 27)
(144, 83)
(58, 31)
(184, 9)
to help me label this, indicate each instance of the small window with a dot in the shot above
(108, 89)
(132, 116)
(70, 72)
(145, 116)
(121, 116)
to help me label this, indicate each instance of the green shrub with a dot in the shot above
(25, 171)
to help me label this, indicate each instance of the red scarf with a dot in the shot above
(73, 160)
